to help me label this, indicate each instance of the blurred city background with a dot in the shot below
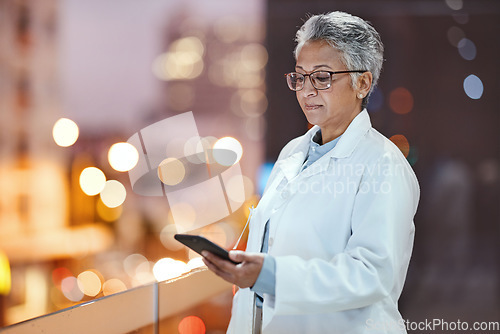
(78, 77)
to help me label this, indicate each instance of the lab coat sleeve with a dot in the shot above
(375, 260)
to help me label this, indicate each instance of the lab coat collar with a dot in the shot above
(291, 165)
(352, 135)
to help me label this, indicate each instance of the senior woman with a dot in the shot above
(331, 238)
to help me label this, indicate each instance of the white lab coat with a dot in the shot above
(341, 232)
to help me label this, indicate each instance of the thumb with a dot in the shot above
(237, 255)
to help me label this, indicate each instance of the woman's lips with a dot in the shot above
(312, 106)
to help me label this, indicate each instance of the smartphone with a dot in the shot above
(199, 244)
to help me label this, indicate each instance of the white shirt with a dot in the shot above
(341, 232)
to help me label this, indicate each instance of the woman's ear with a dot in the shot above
(364, 84)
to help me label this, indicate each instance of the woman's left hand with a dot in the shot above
(243, 274)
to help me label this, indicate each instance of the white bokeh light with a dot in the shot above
(168, 268)
(221, 148)
(123, 156)
(92, 181)
(467, 49)
(473, 87)
(113, 194)
(65, 132)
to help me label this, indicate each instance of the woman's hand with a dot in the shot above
(243, 274)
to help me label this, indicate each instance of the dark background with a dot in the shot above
(454, 140)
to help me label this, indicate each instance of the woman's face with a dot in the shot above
(334, 108)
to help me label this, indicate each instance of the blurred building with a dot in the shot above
(61, 59)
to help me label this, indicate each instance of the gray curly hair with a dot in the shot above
(358, 42)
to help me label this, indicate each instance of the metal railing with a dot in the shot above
(137, 310)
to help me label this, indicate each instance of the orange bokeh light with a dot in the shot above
(192, 325)
(401, 101)
(402, 143)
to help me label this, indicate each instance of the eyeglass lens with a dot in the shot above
(319, 80)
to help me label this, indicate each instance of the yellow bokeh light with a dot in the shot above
(123, 156)
(113, 194)
(92, 181)
(171, 171)
(5, 277)
(254, 56)
(184, 60)
(65, 132)
(113, 285)
(221, 148)
(108, 214)
(89, 283)
(189, 44)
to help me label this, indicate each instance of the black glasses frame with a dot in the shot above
(287, 75)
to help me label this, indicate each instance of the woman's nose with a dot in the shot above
(308, 89)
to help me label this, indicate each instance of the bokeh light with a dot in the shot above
(113, 194)
(183, 61)
(221, 148)
(239, 188)
(167, 238)
(461, 18)
(263, 174)
(195, 262)
(107, 213)
(5, 278)
(402, 143)
(185, 213)
(89, 283)
(249, 102)
(467, 49)
(70, 289)
(455, 4)
(473, 87)
(59, 274)
(413, 155)
(92, 181)
(401, 101)
(113, 285)
(191, 325)
(132, 262)
(168, 268)
(376, 100)
(254, 56)
(65, 132)
(171, 171)
(455, 35)
(218, 233)
(123, 156)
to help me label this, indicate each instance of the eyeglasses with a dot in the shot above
(319, 79)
